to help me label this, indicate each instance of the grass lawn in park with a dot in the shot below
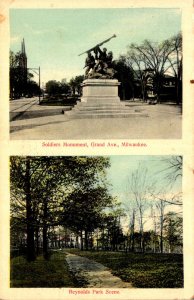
(142, 270)
(41, 273)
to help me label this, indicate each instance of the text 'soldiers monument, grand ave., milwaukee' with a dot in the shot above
(99, 88)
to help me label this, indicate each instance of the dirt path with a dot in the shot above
(93, 274)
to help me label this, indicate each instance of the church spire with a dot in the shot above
(23, 57)
(23, 47)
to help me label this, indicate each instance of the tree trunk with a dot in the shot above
(132, 233)
(76, 244)
(29, 215)
(37, 240)
(82, 242)
(44, 232)
(161, 235)
(141, 232)
(143, 92)
(45, 242)
(86, 240)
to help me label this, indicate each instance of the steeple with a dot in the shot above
(23, 48)
(23, 56)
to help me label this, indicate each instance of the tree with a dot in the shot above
(21, 184)
(172, 169)
(161, 201)
(64, 87)
(34, 183)
(16, 75)
(154, 232)
(173, 229)
(33, 88)
(175, 64)
(42, 186)
(52, 87)
(131, 212)
(140, 189)
(83, 207)
(137, 64)
(160, 205)
(125, 76)
(156, 58)
(21, 80)
(83, 211)
(75, 84)
(111, 230)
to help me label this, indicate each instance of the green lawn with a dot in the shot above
(41, 273)
(143, 270)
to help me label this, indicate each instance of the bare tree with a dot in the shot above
(132, 229)
(161, 201)
(160, 205)
(158, 58)
(175, 63)
(140, 187)
(154, 217)
(137, 63)
(172, 170)
(131, 211)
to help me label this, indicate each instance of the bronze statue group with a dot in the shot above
(99, 65)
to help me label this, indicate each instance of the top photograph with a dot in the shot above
(95, 73)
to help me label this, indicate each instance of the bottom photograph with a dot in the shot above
(96, 221)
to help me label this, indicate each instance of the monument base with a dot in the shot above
(100, 100)
(100, 90)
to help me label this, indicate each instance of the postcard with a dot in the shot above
(97, 149)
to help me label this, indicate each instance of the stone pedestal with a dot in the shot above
(100, 100)
(100, 90)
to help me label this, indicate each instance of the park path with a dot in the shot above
(93, 274)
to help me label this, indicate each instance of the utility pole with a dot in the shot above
(39, 84)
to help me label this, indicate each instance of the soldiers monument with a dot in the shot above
(99, 88)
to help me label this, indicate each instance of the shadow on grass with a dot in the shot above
(51, 273)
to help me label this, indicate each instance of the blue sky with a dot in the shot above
(55, 37)
(119, 175)
(123, 166)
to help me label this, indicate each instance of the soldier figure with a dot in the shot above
(89, 63)
(102, 54)
(109, 59)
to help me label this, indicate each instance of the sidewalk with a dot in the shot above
(93, 274)
(47, 122)
(25, 108)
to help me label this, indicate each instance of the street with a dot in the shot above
(31, 121)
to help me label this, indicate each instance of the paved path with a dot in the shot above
(93, 274)
(47, 123)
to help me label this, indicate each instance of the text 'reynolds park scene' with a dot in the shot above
(96, 221)
(95, 73)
